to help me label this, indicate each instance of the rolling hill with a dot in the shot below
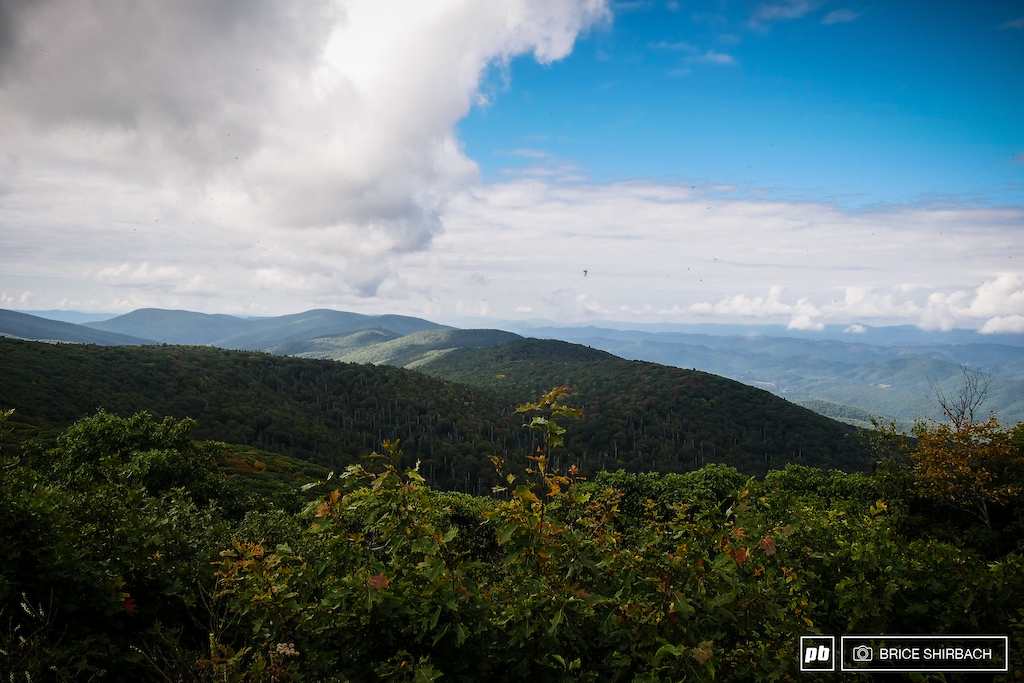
(884, 372)
(172, 327)
(409, 351)
(637, 416)
(667, 418)
(892, 382)
(25, 326)
(324, 347)
(253, 334)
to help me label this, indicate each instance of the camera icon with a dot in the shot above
(863, 653)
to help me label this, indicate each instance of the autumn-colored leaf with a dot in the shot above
(767, 545)
(379, 581)
(702, 652)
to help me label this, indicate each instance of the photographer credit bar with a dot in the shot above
(925, 654)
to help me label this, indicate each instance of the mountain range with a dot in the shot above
(890, 373)
(253, 334)
(451, 417)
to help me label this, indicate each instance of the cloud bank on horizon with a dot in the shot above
(427, 158)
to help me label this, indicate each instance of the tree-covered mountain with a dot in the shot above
(880, 372)
(25, 326)
(323, 347)
(408, 351)
(893, 380)
(186, 327)
(637, 416)
(173, 327)
(667, 419)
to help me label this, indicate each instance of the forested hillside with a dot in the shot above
(637, 416)
(890, 373)
(663, 418)
(409, 351)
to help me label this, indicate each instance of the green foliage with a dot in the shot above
(129, 552)
(579, 589)
(549, 407)
(112, 532)
(385, 590)
(158, 456)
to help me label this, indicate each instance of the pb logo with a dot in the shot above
(821, 653)
(817, 653)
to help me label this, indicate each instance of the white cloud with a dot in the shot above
(655, 252)
(529, 153)
(315, 136)
(998, 302)
(856, 328)
(802, 314)
(804, 322)
(165, 278)
(776, 11)
(840, 16)
(678, 45)
(692, 57)
(1010, 324)
(712, 57)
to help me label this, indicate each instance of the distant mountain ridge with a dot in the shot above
(172, 326)
(882, 372)
(408, 351)
(25, 326)
(891, 382)
(229, 332)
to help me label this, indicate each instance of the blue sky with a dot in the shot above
(795, 162)
(896, 102)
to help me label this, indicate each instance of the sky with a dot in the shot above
(794, 162)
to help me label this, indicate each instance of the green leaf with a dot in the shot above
(505, 533)
(555, 621)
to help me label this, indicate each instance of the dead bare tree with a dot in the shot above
(962, 406)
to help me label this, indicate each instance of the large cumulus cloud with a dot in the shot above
(306, 143)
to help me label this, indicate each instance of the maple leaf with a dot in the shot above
(129, 605)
